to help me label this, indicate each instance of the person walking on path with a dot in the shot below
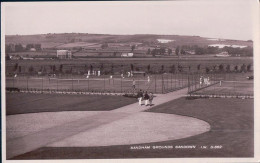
(150, 98)
(146, 98)
(140, 97)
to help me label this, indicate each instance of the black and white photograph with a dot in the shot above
(138, 80)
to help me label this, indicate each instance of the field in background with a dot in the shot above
(106, 38)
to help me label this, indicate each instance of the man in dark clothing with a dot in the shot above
(140, 96)
(146, 98)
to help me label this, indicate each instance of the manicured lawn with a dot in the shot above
(231, 120)
(21, 103)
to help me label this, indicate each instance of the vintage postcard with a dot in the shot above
(121, 81)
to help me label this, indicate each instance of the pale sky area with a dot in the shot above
(230, 19)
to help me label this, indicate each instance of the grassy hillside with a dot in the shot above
(52, 40)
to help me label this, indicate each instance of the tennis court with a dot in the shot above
(222, 86)
(154, 83)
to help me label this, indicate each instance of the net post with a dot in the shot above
(162, 83)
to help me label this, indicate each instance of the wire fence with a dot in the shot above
(221, 85)
(156, 83)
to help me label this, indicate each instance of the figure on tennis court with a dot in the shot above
(111, 78)
(208, 81)
(201, 80)
(148, 79)
(133, 84)
(150, 98)
(205, 81)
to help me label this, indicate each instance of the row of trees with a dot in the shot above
(185, 49)
(247, 51)
(159, 51)
(20, 48)
(172, 69)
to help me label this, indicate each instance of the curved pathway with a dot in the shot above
(101, 128)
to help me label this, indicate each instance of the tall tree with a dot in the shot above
(228, 68)
(61, 68)
(31, 69)
(149, 51)
(19, 69)
(220, 68)
(148, 68)
(19, 48)
(38, 47)
(162, 68)
(133, 48)
(248, 67)
(132, 67)
(198, 67)
(112, 69)
(54, 68)
(177, 50)
(101, 67)
(207, 70)
(104, 45)
(169, 51)
(15, 66)
(236, 68)
(243, 68)
(182, 51)
(173, 69)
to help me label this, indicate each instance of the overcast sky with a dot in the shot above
(215, 19)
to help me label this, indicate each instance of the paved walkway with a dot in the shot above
(42, 138)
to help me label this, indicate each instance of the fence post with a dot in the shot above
(167, 82)
(13, 81)
(155, 84)
(188, 84)
(175, 82)
(104, 84)
(42, 84)
(27, 84)
(179, 82)
(88, 84)
(162, 83)
(57, 83)
(121, 86)
(171, 81)
(182, 80)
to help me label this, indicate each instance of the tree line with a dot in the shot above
(20, 48)
(64, 69)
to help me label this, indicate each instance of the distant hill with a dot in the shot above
(52, 40)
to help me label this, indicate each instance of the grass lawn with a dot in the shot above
(21, 103)
(231, 120)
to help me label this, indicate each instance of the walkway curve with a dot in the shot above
(48, 136)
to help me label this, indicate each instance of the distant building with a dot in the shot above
(192, 52)
(223, 54)
(64, 54)
(33, 50)
(127, 54)
(136, 73)
(15, 57)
